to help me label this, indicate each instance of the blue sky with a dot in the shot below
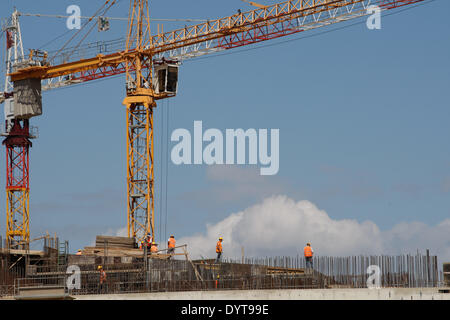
(363, 119)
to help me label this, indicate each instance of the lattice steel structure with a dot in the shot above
(17, 146)
(139, 103)
(140, 168)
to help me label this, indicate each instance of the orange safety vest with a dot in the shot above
(102, 276)
(308, 252)
(219, 247)
(172, 242)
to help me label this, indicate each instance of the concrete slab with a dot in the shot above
(43, 293)
(294, 294)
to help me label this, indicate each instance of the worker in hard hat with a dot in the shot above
(148, 242)
(154, 247)
(219, 249)
(308, 252)
(78, 252)
(102, 280)
(171, 245)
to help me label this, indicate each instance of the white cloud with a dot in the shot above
(413, 235)
(122, 232)
(281, 226)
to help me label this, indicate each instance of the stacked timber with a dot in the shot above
(114, 242)
(109, 246)
(120, 252)
(112, 252)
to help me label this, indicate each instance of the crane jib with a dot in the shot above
(246, 28)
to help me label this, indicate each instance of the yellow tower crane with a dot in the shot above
(150, 64)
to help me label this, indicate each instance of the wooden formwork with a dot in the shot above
(446, 270)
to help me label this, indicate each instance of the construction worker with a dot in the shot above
(149, 241)
(78, 252)
(154, 248)
(219, 249)
(308, 252)
(102, 281)
(171, 245)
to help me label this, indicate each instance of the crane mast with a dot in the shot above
(17, 144)
(140, 104)
(150, 63)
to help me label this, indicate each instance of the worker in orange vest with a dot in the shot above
(154, 247)
(171, 245)
(219, 249)
(308, 252)
(102, 282)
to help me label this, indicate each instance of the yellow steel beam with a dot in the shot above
(140, 166)
(17, 216)
(245, 21)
